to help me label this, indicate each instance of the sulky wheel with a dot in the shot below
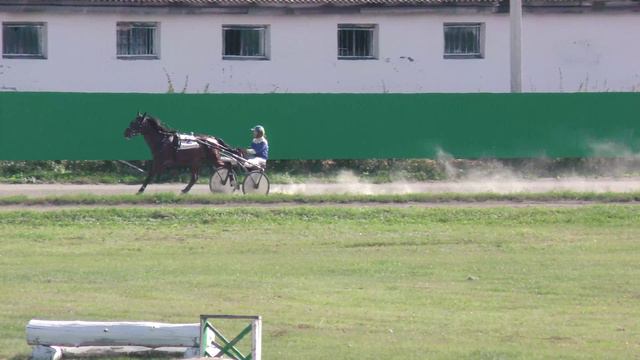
(223, 181)
(256, 182)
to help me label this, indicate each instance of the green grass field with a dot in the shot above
(221, 199)
(340, 283)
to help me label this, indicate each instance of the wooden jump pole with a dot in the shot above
(52, 340)
(51, 337)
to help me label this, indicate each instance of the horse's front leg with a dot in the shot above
(195, 170)
(146, 181)
(153, 172)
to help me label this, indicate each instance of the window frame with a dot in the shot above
(481, 34)
(372, 28)
(155, 25)
(266, 41)
(43, 40)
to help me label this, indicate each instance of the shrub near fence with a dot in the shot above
(287, 171)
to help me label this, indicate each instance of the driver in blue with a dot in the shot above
(259, 147)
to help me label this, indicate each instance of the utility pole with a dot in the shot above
(515, 14)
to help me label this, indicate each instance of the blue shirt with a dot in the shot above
(261, 147)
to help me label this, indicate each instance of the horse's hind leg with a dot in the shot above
(194, 177)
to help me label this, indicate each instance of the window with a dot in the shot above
(137, 40)
(357, 42)
(24, 40)
(244, 42)
(463, 41)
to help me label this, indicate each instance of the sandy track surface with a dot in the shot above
(352, 187)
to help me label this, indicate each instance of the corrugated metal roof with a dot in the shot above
(217, 3)
(302, 3)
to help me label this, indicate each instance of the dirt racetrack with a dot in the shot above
(354, 186)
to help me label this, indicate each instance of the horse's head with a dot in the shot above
(136, 126)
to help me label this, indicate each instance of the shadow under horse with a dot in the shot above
(160, 140)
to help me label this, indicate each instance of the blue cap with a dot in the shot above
(259, 128)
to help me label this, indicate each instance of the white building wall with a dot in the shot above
(581, 52)
(562, 52)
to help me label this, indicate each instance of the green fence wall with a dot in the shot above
(89, 126)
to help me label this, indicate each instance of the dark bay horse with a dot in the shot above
(160, 140)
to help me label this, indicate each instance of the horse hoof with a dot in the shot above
(140, 192)
(184, 192)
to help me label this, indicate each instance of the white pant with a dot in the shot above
(258, 162)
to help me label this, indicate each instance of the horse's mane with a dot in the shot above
(158, 125)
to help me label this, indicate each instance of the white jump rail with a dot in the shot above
(52, 339)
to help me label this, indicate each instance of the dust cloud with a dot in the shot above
(348, 183)
(613, 168)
